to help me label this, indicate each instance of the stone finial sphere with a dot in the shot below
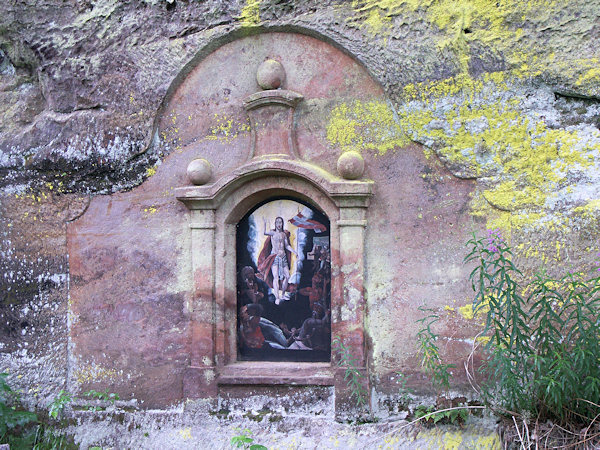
(270, 74)
(199, 171)
(351, 165)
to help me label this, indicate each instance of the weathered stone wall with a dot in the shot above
(478, 114)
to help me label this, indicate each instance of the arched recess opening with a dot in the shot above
(283, 283)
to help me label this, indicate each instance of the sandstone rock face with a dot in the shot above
(468, 115)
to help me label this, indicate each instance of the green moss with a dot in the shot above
(222, 413)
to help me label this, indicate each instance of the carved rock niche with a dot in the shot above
(156, 299)
(268, 167)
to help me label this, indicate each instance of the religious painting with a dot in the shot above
(284, 283)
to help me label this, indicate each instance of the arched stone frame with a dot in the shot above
(232, 212)
(215, 211)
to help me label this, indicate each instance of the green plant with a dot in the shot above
(21, 429)
(48, 438)
(244, 440)
(104, 396)
(457, 415)
(57, 405)
(404, 391)
(544, 344)
(12, 416)
(431, 361)
(352, 375)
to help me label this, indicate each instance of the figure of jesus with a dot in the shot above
(278, 258)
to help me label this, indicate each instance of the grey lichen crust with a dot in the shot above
(82, 82)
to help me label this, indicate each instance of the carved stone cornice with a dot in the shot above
(343, 192)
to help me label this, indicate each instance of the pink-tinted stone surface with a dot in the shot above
(136, 310)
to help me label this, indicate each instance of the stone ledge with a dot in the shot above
(277, 373)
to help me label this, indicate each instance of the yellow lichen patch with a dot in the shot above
(489, 442)
(226, 129)
(95, 373)
(548, 252)
(479, 128)
(467, 312)
(35, 196)
(170, 135)
(590, 210)
(365, 125)
(461, 24)
(453, 441)
(149, 211)
(150, 171)
(583, 71)
(185, 433)
(508, 222)
(591, 75)
(438, 438)
(250, 14)
(59, 187)
(391, 440)
(377, 22)
(462, 84)
(534, 250)
(483, 340)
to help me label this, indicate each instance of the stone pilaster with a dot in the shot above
(349, 326)
(200, 375)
